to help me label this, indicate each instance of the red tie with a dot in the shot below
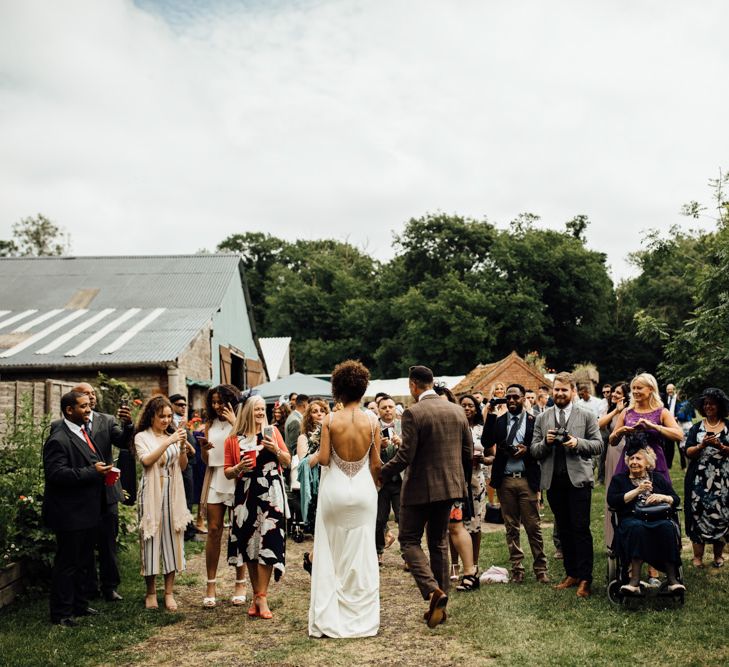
(88, 439)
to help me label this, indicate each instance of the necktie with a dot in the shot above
(88, 439)
(562, 421)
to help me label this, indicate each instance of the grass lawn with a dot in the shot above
(27, 638)
(498, 625)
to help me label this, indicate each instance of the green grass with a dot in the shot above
(27, 638)
(534, 624)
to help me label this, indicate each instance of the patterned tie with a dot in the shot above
(562, 421)
(87, 437)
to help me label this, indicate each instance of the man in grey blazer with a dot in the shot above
(566, 463)
(436, 454)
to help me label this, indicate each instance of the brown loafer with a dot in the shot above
(426, 616)
(583, 590)
(438, 602)
(567, 582)
(543, 578)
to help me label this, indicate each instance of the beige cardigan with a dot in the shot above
(151, 501)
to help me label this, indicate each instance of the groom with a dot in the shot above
(436, 454)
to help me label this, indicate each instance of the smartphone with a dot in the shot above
(268, 432)
(386, 433)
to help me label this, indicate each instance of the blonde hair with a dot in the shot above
(245, 422)
(654, 400)
(496, 384)
(650, 457)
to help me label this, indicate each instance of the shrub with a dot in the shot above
(22, 534)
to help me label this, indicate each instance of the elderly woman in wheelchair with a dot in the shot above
(645, 504)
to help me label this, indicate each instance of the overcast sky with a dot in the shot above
(157, 127)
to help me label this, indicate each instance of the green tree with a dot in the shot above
(38, 237)
(698, 355)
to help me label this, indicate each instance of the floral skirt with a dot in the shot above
(258, 528)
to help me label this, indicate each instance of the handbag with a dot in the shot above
(656, 512)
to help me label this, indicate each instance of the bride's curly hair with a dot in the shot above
(349, 381)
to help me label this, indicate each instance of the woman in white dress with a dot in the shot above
(345, 578)
(218, 490)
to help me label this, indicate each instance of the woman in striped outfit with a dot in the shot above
(161, 506)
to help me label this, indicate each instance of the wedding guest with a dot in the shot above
(218, 490)
(586, 398)
(646, 412)
(479, 480)
(307, 451)
(618, 400)
(566, 437)
(707, 477)
(461, 512)
(388, 497)
(685, 415)
(292, 427)
(638, 540)
(516, 477)
(179, 418)
(258, 530)
(73, 499)
(281, 412)
(161, 507)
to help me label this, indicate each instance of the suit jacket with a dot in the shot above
(436, 453)
(292, 430)
(496, 432)
(105, 432)
(74, 492)
(583, 425)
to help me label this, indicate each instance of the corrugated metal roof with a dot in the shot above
(164, 336)
(149, 281)
(275, 352)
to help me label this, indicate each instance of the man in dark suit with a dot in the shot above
(105, 432)
(179, 417)
(515, 476)
(436, 454)
(566, 437)
(670, 402)
(73, 502)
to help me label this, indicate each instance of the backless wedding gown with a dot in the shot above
(345, 577)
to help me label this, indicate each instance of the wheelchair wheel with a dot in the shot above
(613, 592)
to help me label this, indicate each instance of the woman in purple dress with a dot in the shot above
(646, 413)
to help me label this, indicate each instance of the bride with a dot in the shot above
(345, 577)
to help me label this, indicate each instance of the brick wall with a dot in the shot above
(195, 362)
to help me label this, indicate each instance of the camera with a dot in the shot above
(561, 435)
(497, 401)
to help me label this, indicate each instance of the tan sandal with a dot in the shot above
(239, 600)
(170, 607)
(209, 601)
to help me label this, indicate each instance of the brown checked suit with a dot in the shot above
(436, 454)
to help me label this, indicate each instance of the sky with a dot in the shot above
(165, 126)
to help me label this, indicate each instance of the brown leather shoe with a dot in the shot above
(426, 615)
(567, 582)
(438, 602)
(543, 578)
(517, 577)
(583, 590)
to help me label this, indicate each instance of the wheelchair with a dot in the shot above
(618, 573)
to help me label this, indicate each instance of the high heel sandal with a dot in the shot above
(209, 601)
(253, 609)
(469, 582)
(263, 614)
(239, 600)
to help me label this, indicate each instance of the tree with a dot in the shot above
(36, 237)
(698, 355)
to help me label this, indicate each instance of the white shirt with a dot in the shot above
(427, 392)
(567, 412)
(76, 429)
(592, 404)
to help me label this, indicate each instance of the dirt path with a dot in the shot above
(226, 636)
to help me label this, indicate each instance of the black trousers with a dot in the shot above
(105, 544)
(387, 497)
(669, 451)
(73, 549)
(571, 508)
(188, 483)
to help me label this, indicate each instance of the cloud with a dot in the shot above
(166, 126)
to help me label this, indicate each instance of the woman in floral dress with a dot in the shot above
(258, 530)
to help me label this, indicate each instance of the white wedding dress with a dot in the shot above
(345, 577)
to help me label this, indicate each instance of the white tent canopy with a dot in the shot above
(296, 382)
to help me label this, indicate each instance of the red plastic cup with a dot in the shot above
(112, 476)
(251, 455)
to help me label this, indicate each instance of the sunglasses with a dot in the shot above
(181, 405)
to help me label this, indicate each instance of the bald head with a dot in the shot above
(86, 388)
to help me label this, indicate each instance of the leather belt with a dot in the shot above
(515, 475)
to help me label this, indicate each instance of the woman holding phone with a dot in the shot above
(254, 456)
(217, 492)
(161, 506)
